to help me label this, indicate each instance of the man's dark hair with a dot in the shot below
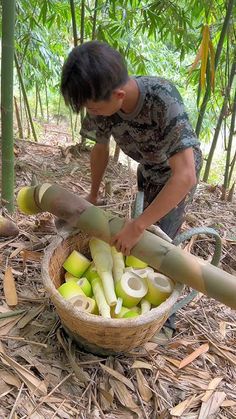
(91, 72)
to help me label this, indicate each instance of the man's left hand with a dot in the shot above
(127, 237)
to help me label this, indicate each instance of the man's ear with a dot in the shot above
(119, 93)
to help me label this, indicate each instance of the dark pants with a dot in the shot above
(171, 222)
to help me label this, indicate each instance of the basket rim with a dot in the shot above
(58, 300)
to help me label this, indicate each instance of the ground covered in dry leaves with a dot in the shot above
(44, 375)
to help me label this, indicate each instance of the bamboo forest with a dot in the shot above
(118, 209)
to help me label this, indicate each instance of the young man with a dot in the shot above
(147, 119)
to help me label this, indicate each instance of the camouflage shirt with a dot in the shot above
(157, 129)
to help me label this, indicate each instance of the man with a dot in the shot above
(147, 119)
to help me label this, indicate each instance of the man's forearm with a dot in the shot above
(98, 162)
(169, 197)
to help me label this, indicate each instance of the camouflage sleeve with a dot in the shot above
(177, 133)
(96, 129)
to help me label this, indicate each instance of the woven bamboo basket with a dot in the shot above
(94, 333)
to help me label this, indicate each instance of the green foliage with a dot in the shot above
(156, 37)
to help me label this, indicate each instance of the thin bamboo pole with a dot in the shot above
(8, 23)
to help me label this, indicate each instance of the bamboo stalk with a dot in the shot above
(7, 142)
(163, 256)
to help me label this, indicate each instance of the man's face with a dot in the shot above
(106, 107)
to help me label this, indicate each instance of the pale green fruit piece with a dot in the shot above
(130, 314)
(131, 288)
(159, 288)
(85, 285)
(76, 264)
(134, 262)
(25, 200)
(83, 303)
(69, 290)
(91, 273)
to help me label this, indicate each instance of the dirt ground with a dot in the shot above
(45, 375)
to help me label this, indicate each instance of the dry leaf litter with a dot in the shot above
(44, 375)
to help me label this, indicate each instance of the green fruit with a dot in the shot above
(135, 262)
(76, 264)
(69, 290)
(159, 288)
(131, 288)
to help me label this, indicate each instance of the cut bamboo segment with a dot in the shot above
(156, 252)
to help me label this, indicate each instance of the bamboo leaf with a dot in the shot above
(197, 59)
(195, 354)
(124, 396)
(209, 408)
(212, 64)
(118, 376)
(143, 388)
(9, 288)
(205, 50)
(33, 383)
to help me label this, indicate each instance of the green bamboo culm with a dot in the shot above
(8, 23)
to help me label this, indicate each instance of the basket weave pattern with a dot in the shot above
(117, 335)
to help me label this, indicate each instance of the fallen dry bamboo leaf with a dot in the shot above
(195, 354)
(32, 313)
(222, 328)
(125, 397)
(118, 376)
(211, 387)
(31, 255)
(141, 364)
(82, 375)
(209, 408)
(10, 379)
(180, 408)
(228, 403)
(143, 388)
(9, 288)
(33, 383)
(173, 361)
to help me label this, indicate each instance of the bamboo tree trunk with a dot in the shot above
(25, 98)
(8, 23)
(36, 101)
(217, 56)
(71, 125)
(219, 122)
(18, 120)
(229, 149)
(73, 18)
(94, 20)
(59, 110)
(47, 107)
(82, 21)
(83, 139)
(21, 107)
(40, 104)
(232, 165)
